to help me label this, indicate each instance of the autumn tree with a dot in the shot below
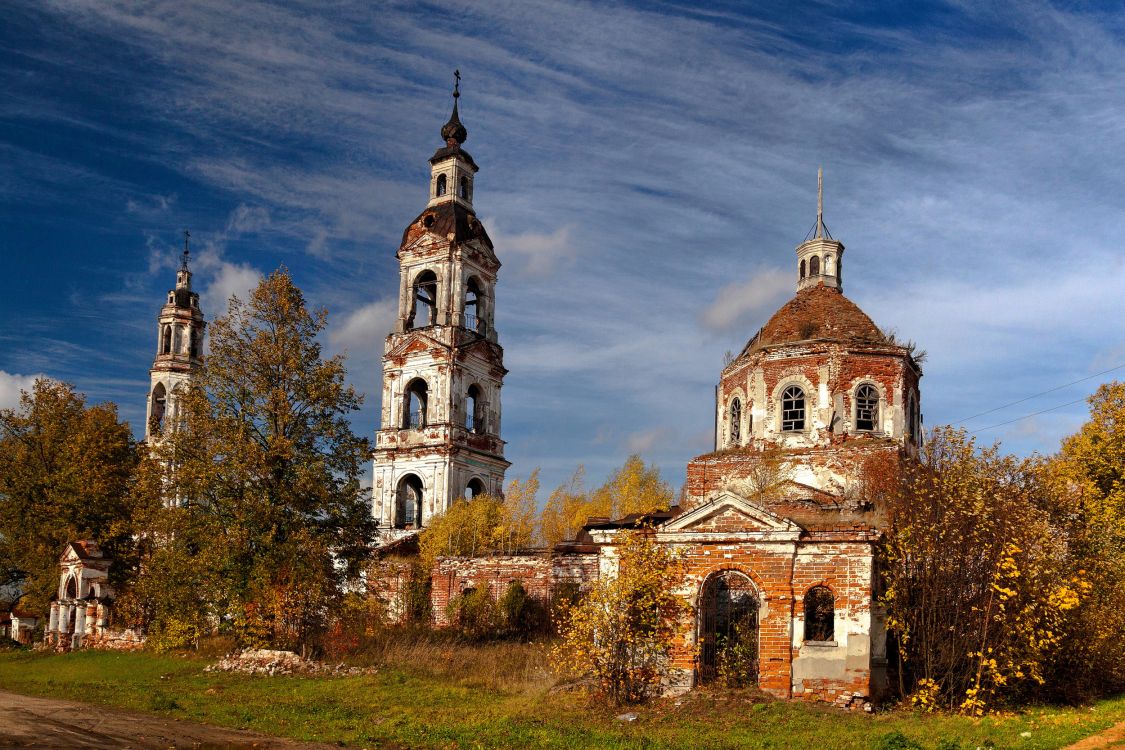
(483, 525)
(65, 471)
(621, 634)
(269, 469)
(633, 488)
(1087, 491)
(977, 588)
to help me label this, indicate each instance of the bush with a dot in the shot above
(475, 614)
(895, 741)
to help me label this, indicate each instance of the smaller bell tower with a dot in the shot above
(179, 352)
(819, 256)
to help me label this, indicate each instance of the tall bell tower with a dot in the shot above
(442, 364)
(179, 352)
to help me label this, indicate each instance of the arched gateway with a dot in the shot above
(728, 628)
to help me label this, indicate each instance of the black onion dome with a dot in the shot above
(453, 131)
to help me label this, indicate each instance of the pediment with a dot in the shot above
(730, 513)
(417, 344)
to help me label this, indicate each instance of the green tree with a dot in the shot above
(266, 461)
(65, 471)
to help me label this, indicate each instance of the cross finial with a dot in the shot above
(457, 84)
(820, 202)
(187, 248)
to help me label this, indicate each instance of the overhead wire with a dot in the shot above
(1029, 416)
(1037, 395)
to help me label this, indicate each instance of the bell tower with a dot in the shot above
(442, 364)
(179, 352)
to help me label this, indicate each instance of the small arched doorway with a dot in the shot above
(728, 629)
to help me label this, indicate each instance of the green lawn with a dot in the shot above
(397, 707)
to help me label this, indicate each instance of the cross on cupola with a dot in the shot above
(818, 257)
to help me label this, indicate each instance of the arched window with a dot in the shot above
(156, 414)
(866, 408)
(793, 409)
(728, 628)
(474, 488)
(828, 265)
(440, 190)
(820, 614)
(414, 405)
(474, 416)
(735, 422)
(814, 266)
(464, 187)
(408, 502)
(423, 311)
(71, 590)
(802, 268)
(839, 270)
(166, 347)
(196, 342)
(472, 305)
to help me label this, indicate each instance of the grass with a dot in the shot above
(448, 695)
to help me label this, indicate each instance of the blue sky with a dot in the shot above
(646, 172)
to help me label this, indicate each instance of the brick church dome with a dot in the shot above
(817, 312)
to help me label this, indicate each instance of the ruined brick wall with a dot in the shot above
(540, 574)
(388, 580)
(782, 573)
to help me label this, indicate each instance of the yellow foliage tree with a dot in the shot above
(566, 510)
(621, 633)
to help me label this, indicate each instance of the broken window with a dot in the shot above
(792, 409)
(814, 266)
(440, 190)
(156, 413)
(196, 343)
(475, 488)
(728, 629)
(408, 510)
(465, 187)
(166, 347)
(735, 422)
(474, 416)
(802, 268)
(472, 305)
(423, 310)
(866, 408)
(820, 614)
(414, 405)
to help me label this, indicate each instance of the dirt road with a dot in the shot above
(41, 723)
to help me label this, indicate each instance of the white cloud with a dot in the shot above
(364, 329)
(741, 303)
(10, 386)
(533, 254)
(227, 280)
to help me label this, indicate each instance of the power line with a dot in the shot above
(1029, 416)
(1037, 395)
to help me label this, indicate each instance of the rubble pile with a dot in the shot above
(269, 663)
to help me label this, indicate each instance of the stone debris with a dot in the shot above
(269, 663)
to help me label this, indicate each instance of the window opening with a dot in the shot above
(472, 305)
(728, 628)
(414, 405)
(167, 346)
(792, 409)
(866, 408)
(423, 311)
(159, 402)
(196, 339)
(735, 421)
(814, 266)
(802, 268)
(475, 488)
(474, 417)
(441, 189)
(408, 513)
(465, 187)
(820, 614)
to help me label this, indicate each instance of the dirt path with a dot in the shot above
(1110, 739)
(27, 722)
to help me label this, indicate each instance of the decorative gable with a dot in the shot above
(417, 344)
(730, 514)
